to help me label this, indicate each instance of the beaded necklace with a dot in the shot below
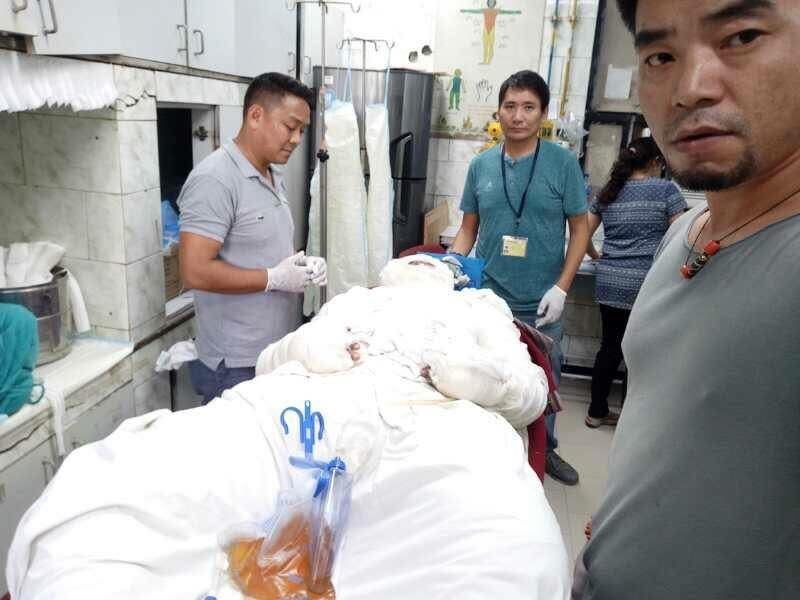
(713, 246)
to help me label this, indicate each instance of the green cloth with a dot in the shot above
(556, 193)
(19, 347)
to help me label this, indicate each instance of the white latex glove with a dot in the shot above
(551, 307)
(290, 275)
(319, 270)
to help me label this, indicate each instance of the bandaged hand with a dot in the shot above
(551, 307)
(292, 274)
(319, 270)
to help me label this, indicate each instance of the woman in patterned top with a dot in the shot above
(636, 207)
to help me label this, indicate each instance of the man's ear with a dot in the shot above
(255, 113)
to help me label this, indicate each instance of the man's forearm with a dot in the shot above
(223, 278)
(578, 241)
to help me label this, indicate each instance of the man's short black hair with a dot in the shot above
(527, 80)
(268, 88)
(627, 8)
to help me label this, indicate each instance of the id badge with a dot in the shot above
(515, 247)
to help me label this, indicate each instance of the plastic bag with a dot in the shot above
(277, 565)
(170, 227)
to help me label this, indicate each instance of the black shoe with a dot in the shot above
(559, 469)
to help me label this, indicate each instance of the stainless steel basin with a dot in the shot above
(49, 302)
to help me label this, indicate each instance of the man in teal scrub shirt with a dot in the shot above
(517, 201)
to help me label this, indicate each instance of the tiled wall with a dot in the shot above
(89, 181)
(581, 40)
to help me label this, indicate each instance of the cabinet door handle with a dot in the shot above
(19, 7)
(202, 41)
(185, 47)
(307, 62)
(292, 61)
(54, 28)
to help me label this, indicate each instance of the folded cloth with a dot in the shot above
(31, 263)
(179, 353)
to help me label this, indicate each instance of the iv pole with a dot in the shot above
(322, 154)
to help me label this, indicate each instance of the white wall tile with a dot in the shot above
(579, 76)
(148, 328)
(44, 214)
(71, 153)
(218, 91)
(230, 120)
(138, 152)
(137, 93)
(145, 289)
(584, 37)
(122, 335)
(450, 178)
(142, 222)
(171, 87)
(104, 289)
(105, 227)
(464, 150)
(11, 170)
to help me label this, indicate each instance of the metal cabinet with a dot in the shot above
(236, 37)
(211, 30)
(21, 17)
(102, 419)
(21, 483)
(152, 30)
(265, 38)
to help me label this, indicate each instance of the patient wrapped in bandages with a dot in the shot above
(464, 344)
(421, 388)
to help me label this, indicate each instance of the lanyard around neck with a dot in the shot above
(518, 212)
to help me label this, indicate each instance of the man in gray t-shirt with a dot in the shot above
(703, 495)
(236, 238)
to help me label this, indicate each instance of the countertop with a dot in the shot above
(93, 369)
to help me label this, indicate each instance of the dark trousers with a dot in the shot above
(210, 384)
(608, 359)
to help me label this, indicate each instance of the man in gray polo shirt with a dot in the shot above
(703, 493)
(236, 238)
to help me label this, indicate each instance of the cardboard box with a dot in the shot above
(172, 273)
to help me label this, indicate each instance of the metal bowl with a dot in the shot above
(49, 303)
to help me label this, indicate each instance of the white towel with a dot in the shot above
(31, 264)
(79, 314)
(179, 353)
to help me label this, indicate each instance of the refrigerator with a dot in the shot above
(410, 100)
